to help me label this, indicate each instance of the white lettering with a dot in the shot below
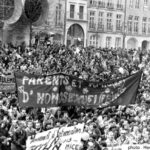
(24, 80)
(32, 81)
(40, 81)
(40, 98)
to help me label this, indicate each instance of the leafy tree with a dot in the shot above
(33, 10)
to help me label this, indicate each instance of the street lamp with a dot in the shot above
(124, 25)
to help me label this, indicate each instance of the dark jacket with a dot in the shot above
(19, 140)
(3, 136)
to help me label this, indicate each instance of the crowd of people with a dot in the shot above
(111, 126)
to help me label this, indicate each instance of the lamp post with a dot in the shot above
(3, 15)
(65, 19)
(124, 25)
(97, 36)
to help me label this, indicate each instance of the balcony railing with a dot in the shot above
(93, 5)
(118, 28)
(109, 27)
(136, 32)
(59, 24)
(110, 5)
(119, 7)
(100, 27)
(92, 26)
(101, 5)
(144, 32)
(77, 16)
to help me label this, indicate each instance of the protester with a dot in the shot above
(107, 127)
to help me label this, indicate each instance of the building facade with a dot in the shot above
(105, 25)
(76, 22)
(98, 23)
(15, 27)
(137, 27)
(119, 23)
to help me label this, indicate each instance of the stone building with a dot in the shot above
(99, 23)
(137, 24)
(76, 22)
(105, 25)
(119, 23)
(15, 26)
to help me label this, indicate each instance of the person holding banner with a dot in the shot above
(123, 138)
(19, 138)
(110, 141)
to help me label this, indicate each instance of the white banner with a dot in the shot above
(55, 138)
(71, 145)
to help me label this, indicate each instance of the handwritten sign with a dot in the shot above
(55, 137)
(7, 83)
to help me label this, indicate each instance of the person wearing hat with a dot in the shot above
(123, 138)
(110, 141)
(84, 139)
(75, 122)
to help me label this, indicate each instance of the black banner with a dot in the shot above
(61, 89)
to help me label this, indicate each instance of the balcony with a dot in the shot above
(119, 7)
(110, 6)
(59, 24)
(136, 32)
(92, 26)
(92, 5)
(109, 28)
(100, 27)
(118, 29)
(77, 16)
(144, 32)
(101, 5)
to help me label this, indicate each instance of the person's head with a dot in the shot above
(123, 133)
(146, 138)
(110, 136)
(81, 114)
(1, 104)
(47, 114)
(21, 125)
(3, 125)
(144, 123)
(23, 112)
(135, 129)
(30, 124)
(14, 109)
(75, 122)
(49, 126)
(58, 124)
(38, 126)
(65, 114)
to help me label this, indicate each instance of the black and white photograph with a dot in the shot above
(74, 74)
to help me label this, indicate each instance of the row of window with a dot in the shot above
(119, 4)
(72, 11)
(94, 41)
(109, 4)
(109, 20)
(71, 15)
(137, 3)
(133, 24)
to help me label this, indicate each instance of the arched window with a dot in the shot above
(93, 40)
(6, 9)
